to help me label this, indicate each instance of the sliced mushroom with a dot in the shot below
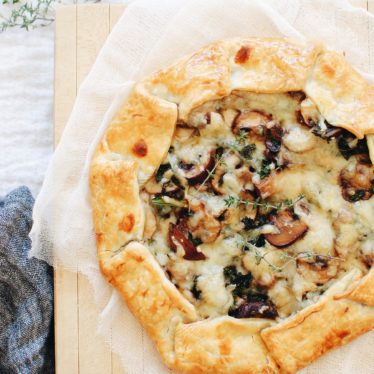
(255, 309)
(224, 183)
(297, 95)
(178, 237)
(183, 132)
(163, 170)
(298, 140)
(217, 181)
(202, 224)
(320, 271)
(367, 252)
(229, 116)
(152, 187)
(326, 131)
(199, 119)
(290, 229)
(349, 146)
(332, 132)
(308, 114)
(245, 175)
(173, 189)
(250, 120)
(368, 260)
(196, 173)
(265, 186)
(357, 182)
(273, 139)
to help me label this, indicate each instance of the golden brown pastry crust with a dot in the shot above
(333, 321)
(118, 213)
(223, 345)
(142, 131)
(136, 142)
(364, 292)
(150, 296)
(343, 97)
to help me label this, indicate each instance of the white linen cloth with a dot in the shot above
(150, 35)
(26, 106)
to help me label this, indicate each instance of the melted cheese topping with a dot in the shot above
(301, 177)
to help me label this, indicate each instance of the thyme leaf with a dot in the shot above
(285, 204)
(235, 277)
(261, 256)
(247, 151)
(358, 195)
(160, 202)
(219, 162)
(266, 169)
(196, 292)
(163, 168)
(29, 14)
(241, 137)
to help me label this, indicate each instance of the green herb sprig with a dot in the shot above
(219, 162)
(241, 137)
(285, 204)
(245, 151)
(160, 202)
(261, 256)
(28, 15)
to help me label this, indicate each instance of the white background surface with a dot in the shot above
(26, 107)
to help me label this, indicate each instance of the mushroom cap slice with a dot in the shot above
(178, 236)
(290, 229)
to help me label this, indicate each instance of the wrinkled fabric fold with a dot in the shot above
(26, 293)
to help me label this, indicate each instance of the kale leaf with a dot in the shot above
(241, 281)
(247, 151)
(161, 171)
(195, 290)
(347, 151)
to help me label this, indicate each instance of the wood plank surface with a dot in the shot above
(65, 282)
(80, 33)
(94, 353)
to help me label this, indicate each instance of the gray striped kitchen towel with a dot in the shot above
(26, 293)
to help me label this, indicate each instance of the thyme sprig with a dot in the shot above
(28, 14)
(219, 162)
(261, 256)
(241, 137)
(160, 202)
(285, 204)
(245, 151)
(265, 170)
(308, 255)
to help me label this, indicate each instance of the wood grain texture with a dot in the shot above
(65, 282)
(94, 353)
(116, 11)
(80, 33)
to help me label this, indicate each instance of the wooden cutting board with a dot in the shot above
(80, 33)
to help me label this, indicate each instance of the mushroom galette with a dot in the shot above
(233, 209)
